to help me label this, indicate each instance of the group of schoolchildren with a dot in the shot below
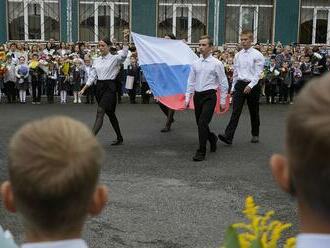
(43, 73)
(61, 71)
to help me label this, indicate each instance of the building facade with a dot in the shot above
(288, 21)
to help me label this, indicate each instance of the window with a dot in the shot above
(315, 22)
(33, 19)
(186, 19)
(253, 15)
(99, 18)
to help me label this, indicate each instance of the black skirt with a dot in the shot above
(106, 96)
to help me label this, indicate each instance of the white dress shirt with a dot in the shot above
(88, 69)
(207, 74)
(70, 243)
(313, 240)
(248, 66)
(127, 61)
(107, 67)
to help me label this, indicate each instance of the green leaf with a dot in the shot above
(256, 244)
(231, 238)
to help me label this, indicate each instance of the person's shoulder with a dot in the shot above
(217, 61)
(255, 51)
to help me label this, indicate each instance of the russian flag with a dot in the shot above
(166, 65)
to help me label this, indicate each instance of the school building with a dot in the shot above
(288, 21)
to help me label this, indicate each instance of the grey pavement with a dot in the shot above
(158, 197)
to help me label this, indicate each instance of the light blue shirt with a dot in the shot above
(70, 243)
(313, 240)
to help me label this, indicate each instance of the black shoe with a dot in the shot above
(224, 139)
(117, 142)
(165, 129)
(199, 156)
(213, 142)
(255, 139)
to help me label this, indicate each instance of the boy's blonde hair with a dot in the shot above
(54, 165)
(248, 33)
(308, 145)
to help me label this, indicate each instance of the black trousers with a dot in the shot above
(10, 91)
(132, 93)
(90, 93)
(168, 112)
(238, 102)
(50, 85)
(106, 97)
(144, 95)
(204, 108)
(284, 92)
(292, 91)
(36, 90)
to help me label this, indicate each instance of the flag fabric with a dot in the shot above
(166, 65)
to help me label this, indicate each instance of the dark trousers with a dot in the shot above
(238, 102)
(90, 93)
(50, 85)
(284, 91)
(36, 90)
(10, 91)
(271, 90)
(144, 95)
(119, 90)
(204, 108)
(168, 112)
(292, 91)
(132, 93)
(106, 97)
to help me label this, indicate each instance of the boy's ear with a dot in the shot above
(280, 169)
(99, 200)
(8, 196)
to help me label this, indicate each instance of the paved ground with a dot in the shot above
(159, 198)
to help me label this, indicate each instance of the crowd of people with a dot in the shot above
(62, 69)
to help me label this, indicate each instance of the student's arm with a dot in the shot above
(235, 73)
(91, 78)
(223, 83)
(190, 85)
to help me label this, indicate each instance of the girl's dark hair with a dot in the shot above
(106, 40)
(172, 36)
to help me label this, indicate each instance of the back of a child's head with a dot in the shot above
(54, 166)
(308, 145)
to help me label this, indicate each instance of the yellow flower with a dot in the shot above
(243, 242)
(260, 228)
(251, 210)
(265, 219)
(290, 243)
(276, 234)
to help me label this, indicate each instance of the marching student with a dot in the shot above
(248, 66)
(206, 76)
(105, 70)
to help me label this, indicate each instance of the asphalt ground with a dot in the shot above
(158, 197)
